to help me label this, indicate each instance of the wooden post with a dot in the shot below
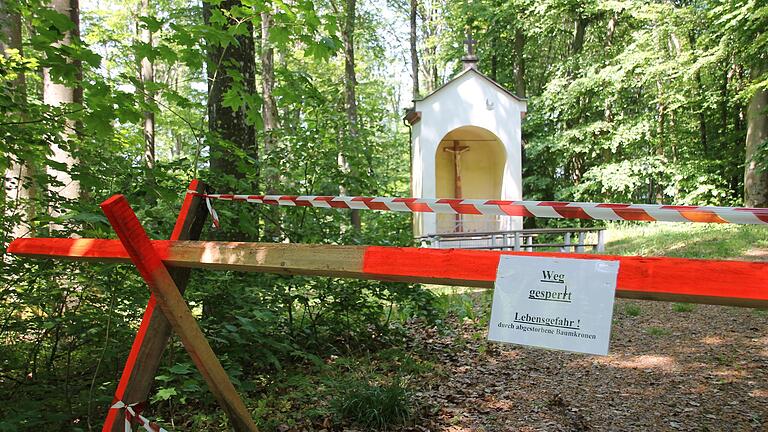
(167, 296)
(154, 332)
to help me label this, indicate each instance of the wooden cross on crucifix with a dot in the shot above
(470, 43)
(469, 59)
(457, 150)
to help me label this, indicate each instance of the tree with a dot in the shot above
(59, 94)
(148, 81)
(232, 97)
(350, 99)
(755, 173)
(414, 48)
(18, 184)
(270, 115)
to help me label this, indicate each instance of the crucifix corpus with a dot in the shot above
(457, 150)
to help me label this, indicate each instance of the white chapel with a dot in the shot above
(466, 143)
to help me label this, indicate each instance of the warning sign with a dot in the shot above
(556, 303)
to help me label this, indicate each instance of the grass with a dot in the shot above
(366, 390)
(372, 406)
(658, 331)
(686, 240)
(632, 310)
(683, 307)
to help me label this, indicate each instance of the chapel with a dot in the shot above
(466, 143)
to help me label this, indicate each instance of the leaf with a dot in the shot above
(279, 35)
(180, 369)
(151, 23)
(232, 99)
(61, 22)
(166, 393)
(86, 217)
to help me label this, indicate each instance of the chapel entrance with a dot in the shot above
(469, 163)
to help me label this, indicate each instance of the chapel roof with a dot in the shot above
(478, 73)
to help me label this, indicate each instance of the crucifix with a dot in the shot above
(470, 59)
(470, 43)
(457, 150)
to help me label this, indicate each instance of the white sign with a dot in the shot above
(556, 303)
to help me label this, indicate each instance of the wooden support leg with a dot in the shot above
(152, 338)
(167, 296)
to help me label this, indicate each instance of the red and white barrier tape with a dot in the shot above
(546, 209)
(133, 413)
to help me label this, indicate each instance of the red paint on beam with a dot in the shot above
(638, 276)
(96, 249)
(662, 275)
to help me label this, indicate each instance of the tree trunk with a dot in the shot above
(56, 94)
(147, 80)
(577, 43)
(611, 29)
(520, 87)
(226, 123)
(270, 117)
(414, 50)
(350, 82)
(755, 177)
(19, 189)
(269, 107)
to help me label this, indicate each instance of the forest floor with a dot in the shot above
(675, 367)
(671, 366)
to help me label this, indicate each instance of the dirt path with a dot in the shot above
(669, 368)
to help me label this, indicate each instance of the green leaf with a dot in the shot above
(61, 22)
(279, 35)
(232, 99)
(165, 393)
(151, 23)
(181, 369)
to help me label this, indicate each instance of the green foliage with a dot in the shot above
(652, 111)
(645, 108)
(373, 406)
(683, 307)
(632, 310)
(658, 331)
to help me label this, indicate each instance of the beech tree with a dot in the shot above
(61, 94)
(18, 186)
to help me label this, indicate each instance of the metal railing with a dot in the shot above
(448, 223)
(573, 240)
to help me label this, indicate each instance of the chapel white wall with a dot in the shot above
(468, 100)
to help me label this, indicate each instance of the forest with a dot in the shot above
(628, 101)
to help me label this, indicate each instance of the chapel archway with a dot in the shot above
(478, 156)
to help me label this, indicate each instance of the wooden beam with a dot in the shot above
(734, 283)
(167, 295)
(154, 332)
